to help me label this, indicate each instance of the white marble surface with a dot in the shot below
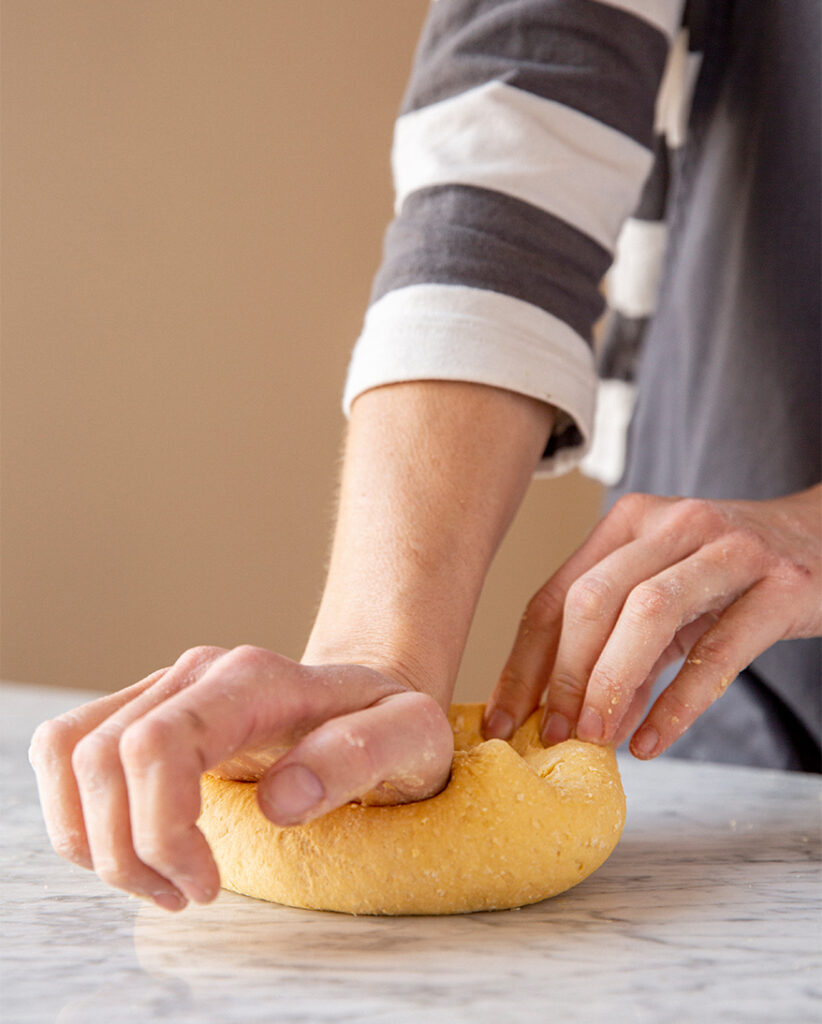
(709, 910)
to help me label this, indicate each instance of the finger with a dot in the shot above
(247, 698)
(635, 713)
(526, 671)
(652, 615)
(748, 627)
(102, 790)
(395, 751)
(593, 608)
(675, 651)
(52, 746)
(104, 799)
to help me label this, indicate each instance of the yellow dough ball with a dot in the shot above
(517, 822)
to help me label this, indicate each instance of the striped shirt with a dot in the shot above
(675, 147)
(532, 147)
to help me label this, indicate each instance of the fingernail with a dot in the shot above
(291, 793)
(589, 726)
(556, 729)
(194, 891)
(500, 725)
(645, 742)
(169, 900)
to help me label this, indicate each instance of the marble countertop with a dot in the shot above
(708, 910)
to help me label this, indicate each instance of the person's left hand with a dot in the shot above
(658, 579)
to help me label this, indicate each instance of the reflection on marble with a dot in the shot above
(708, 911)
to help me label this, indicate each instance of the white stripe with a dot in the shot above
(673, 101)
(666, 15)
(605, 460)
(498, 137)
(454, 332)
(632, 284)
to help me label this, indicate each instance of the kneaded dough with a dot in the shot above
(516, 823)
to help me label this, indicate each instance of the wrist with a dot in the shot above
(395, 660)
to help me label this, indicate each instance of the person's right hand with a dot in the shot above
(119, 777)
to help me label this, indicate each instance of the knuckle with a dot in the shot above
(605, 682)
(631, 506)
(195, 657)
(513, 687)
(611, 699)
(71, 846)
(710, 650)
(143, 741)
(545, 607)
(53, 740)
(699, 513)
(434, 753)
(247, 656)
(565, 690)
(647, 601)
(425, 707)
(93, 759)
(155, 851)
(678, 709)
(114, 874)
(746, 542)
(589, 598)
(791, 573)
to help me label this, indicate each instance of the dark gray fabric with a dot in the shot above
(654, 199)
(695, 18)
(461, 234)
(620, 345)
(729, 378)
(600, 60)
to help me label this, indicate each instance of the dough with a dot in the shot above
(516, 823)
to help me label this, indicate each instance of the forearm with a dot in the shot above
(432, 476)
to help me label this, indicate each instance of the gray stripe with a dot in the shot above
(620, 346)
(460, 234)
(653, 201)
(695, 19)
(567, 436)
(599, 60)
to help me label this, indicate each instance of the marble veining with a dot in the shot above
(708, 910)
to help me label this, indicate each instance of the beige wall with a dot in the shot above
(194, 198)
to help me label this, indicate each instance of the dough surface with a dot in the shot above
(516, 823)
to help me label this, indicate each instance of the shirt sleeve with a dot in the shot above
(524, 139)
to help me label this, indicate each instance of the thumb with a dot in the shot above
(397, 750)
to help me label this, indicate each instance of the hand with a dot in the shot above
(119, 777)
(659, 579)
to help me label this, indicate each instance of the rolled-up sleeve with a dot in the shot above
(522, 145)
